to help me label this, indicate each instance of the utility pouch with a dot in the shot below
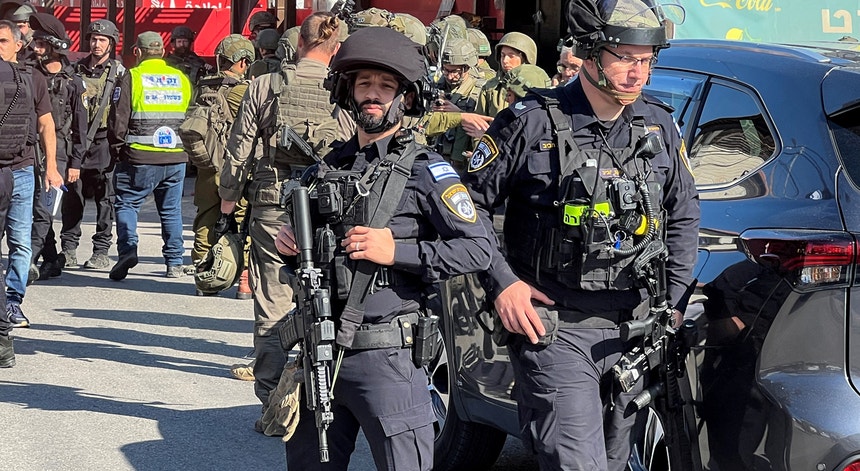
(292, 330)
(426, 342)
(548, 317)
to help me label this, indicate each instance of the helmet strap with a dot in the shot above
(604, 85)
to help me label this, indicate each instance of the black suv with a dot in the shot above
(773, 134)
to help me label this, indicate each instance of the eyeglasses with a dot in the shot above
(631, 62)
(563, 67)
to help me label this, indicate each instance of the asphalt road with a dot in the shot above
(133, 375)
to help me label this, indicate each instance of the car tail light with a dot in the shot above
(807, 259)
(853, 466)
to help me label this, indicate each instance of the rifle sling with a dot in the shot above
(391, 193)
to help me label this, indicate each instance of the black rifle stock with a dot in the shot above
(313, 309)
(661, 356)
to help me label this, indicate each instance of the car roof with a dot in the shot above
(784, 69)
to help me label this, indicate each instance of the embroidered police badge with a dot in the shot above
(457, 199)
(485, 152)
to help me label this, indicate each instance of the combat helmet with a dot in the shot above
(480, 42)
(371, 17)
(521, 79)
(267, 39)
(441, 31)
(520, 42)
(411, 26)
(104, 28)
(234, 48)
(459, 51)
(632, 22)
(262, 18)
(22, 13)
(182, 32)
(288, 45)
(223, 264)
(51, 30)
(382, 49)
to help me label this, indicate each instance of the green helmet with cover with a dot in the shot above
(288, 45)
(234, 48)
(411, 26)
(22, 13)
(520, 42)
(480, 42)
(371, 17)
(456, 25)
(525, 77)
(267, 39)
(222, 266)
(459, 51)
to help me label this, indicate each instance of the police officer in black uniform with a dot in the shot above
(15, 112)
(183, 56)
(570, 165)
(100, 74)
(433, 235)
(70, 117)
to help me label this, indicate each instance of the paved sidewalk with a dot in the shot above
(131, 375)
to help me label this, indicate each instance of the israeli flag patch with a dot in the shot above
(442, 170)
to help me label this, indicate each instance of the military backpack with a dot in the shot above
(207, 123)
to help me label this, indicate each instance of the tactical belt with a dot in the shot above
(399, 333)
(386, 277)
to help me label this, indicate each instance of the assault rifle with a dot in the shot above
(289, 137)
(661, 357)
(311, 323)
(343, 9)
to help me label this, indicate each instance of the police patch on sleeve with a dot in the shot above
(457, 199)
(442, 170)
(485, 152)
(116, 93)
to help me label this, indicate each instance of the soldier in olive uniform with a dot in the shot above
(458, 94)
(183, 56)
(234, 55)
(260, 21)
(295, 98)
(524, 78)
(288, 45)
(482, 45)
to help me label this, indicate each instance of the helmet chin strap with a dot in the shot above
(604, 85)
(389, 120)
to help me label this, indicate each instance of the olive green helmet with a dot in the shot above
(411, 26)
(460, 51)
(457, 26)
(222, 266)
(234, 48)
(267, 39)
(288, 45)
(525, 77)
(520, 42)
(371, 17)
(480, 42)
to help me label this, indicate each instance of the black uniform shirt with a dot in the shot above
(78, 115)
(436, 232)
(518, 159)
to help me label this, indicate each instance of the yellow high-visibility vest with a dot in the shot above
(160, 97)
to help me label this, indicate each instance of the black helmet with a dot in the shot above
(103, 28)
(595, 24)
(182, 32)
(382, 49)
(51, 30)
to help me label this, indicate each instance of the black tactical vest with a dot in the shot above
(16, 111)
(607, 210)
(59, 90)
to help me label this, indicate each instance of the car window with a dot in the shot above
(732, 137)
(846, 133)
(678, 89)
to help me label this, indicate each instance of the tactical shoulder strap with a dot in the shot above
(389, 197)
(562, 128)
(113, 72)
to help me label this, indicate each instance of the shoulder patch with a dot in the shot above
(116, 92)
(684, 157)
(458, 201)
(442, 170)
(485, 152)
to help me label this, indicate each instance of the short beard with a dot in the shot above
(366, 121)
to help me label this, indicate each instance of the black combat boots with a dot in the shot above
(7, 353)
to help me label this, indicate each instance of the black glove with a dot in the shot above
(226, 223)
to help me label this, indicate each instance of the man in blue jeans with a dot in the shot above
(30, 87)
(149, 107)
